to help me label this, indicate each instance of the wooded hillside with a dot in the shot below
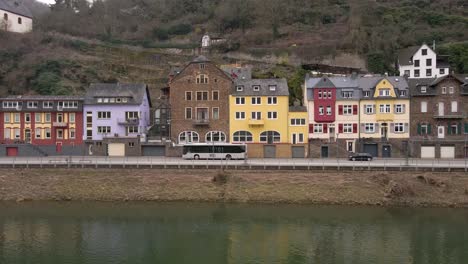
(371, 29)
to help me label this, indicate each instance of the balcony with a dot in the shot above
(129, 121)
(201, 122)
(59, 124)
(256, 122)
(449, 116)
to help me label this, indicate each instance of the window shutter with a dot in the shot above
(325, 128)
(449, 131)
(364, 109)
(392, 127)
(419, 129)
(466, 128)
(311, 128)
(340, 110)
(376, 127)
(340, 128)
(459, 128)
(354, 128)
(363, 127)
(428, 129)
(355, 110)
(403, 108)
(406, 128)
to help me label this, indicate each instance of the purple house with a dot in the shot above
(116, 118)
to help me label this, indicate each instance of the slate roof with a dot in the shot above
(281, 87)
(405, 55)
(135, 92)
(42, 97)
(15, 6)
(368, 83)
(338, 82)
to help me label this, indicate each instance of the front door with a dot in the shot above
(324, 152)
(440, 131)
(58, 147)
(386, 151)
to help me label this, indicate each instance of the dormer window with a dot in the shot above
(106, 100)
(112, 100)
(384, 92)
(402, 93)
(202, 66)
(124, 100)
(240, 88)
(423, 89)
(99, 100)
(256, 88)
(118, 100)
(272, 87)
(32, 104)
(366, 93)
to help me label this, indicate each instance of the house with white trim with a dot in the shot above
(422, 62)
(15, 16)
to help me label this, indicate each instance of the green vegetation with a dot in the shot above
(458, 56)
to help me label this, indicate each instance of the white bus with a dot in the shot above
(214, 151)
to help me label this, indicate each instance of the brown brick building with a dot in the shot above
(199, 99)
(439, 117)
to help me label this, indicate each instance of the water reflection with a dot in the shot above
(213, 233)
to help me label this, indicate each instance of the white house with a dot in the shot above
(422, 62)
(15, 16)
(206, 41)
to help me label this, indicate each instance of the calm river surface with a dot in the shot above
(194, 233)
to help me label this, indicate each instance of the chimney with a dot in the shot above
(433, 45)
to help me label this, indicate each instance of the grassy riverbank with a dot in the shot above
(315, 187)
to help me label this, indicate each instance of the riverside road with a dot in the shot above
(282, 164)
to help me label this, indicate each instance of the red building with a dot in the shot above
(52, 121)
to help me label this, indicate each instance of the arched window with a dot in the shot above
(202, 78)
(188, 137)
(215, 136)
(20, 21)
(242, 136)
(270, 137)
(5, 16)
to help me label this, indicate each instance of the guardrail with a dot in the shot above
(254, 164)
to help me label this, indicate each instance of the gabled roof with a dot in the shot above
(264, 90)
(330, 82)
(135, 92)
(368, 83)
(200, 59)
(405, 55)
(15, 6)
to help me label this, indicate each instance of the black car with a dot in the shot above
(360, 156)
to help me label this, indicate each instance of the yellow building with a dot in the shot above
(384, 115)
(259, 116)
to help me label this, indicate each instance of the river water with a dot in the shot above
(215, 233)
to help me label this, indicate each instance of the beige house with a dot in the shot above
(15, 16)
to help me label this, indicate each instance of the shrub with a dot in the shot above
(180, 29)
(160, 33)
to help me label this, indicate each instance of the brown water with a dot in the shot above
(215, 233)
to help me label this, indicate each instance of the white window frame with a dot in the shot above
(318, 128)
(256, 100)
(347, 128)
(239, 116)
(256, 115)
(272, 115)
(242, 136)
(423, 107)
(369, 128)
(399, 128)
(347, 110)
(329, 110)
(272, 100)
(321, 110)
(240, 100)
(454, 106)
